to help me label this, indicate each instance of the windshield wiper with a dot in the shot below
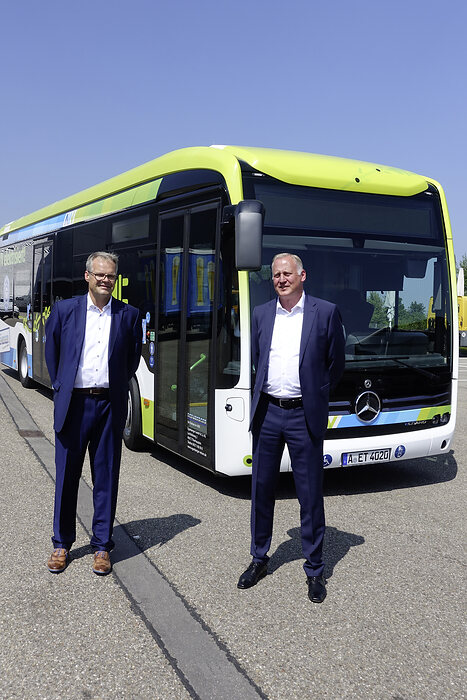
(398, 361)
(424, 372)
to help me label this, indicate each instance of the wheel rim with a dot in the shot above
(129, 417)
(24, 363)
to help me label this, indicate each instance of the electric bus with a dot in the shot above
(195, 231)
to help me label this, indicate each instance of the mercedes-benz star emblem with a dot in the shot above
(367, 406)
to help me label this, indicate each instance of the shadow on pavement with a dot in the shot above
(234, 486)
(145, 534)
(390, 476)
(152, 532)
(337, 482)
(337, 543)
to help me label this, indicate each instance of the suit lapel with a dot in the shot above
(116, 313)
(309, 318)
(80, 321)
(269, 323)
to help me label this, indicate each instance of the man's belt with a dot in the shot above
(285, 403)
(93, 391)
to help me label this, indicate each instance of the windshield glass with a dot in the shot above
(390, 283)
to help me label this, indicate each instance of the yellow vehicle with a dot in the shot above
(195, 231)
(462, 307)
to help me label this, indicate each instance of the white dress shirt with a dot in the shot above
(93, 368)
(283, 378)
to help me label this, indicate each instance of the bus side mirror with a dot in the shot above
(249, 219)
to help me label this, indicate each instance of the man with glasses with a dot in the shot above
(92, 349)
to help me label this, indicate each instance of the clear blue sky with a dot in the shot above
(91, 89)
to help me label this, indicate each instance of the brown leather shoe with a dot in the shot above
(102, 564)
(58, 561)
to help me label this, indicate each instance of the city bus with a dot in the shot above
(195, 231)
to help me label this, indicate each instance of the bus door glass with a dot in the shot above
(186, 327)
(41, 302)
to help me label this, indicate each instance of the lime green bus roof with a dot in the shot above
(330, 172)
(293, 167)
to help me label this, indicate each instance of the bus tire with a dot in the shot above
(132, 436)
(24, 377)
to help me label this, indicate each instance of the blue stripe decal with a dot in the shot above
(385, 417)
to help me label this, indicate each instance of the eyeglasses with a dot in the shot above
(100, 277)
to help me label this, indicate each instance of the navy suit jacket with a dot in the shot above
(322, 357)
(65, 330)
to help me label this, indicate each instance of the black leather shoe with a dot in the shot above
(316, 588)
(255, 572)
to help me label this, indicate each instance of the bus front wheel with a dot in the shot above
(132, 436)
(24, 377)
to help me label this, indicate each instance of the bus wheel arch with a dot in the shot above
(132, 436)
(24, 377)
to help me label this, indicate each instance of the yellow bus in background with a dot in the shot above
(462, 306)
(462, 309)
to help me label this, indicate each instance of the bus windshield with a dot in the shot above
(381, 259)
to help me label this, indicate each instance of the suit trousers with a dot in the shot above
(275, 428)
(88, 425)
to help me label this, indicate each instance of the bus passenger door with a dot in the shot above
(185, 330)
(41, 303)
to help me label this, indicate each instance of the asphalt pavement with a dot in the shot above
(169, 622)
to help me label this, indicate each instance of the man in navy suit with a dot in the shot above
(298, 353)
(92, 349)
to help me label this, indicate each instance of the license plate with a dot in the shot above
(365, 457)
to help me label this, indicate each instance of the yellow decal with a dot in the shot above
(211, 274)
(199, 280)
(38, 320)
(175, 271)
(147, 418)
(119, 284)
(46, 314)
